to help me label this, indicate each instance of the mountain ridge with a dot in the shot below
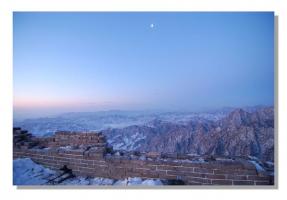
(239, 134)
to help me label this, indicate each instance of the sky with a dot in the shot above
(72, 62)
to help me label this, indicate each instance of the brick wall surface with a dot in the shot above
(95, 162)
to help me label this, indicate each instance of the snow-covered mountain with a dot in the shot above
(96, 121)
(228, 132)
(240, 133)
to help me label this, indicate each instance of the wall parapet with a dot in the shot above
(91, 159)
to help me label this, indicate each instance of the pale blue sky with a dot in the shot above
(100, 61)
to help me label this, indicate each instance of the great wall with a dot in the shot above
(89, 154)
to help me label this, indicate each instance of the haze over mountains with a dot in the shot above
(97, 121)
(229, 132)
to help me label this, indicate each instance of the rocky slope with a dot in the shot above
(241, 133)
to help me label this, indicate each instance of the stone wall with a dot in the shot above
(66, 138)
(94, 160)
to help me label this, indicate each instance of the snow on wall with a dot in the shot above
(27, 172)
(94, 161)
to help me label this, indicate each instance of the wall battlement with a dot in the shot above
(88, 154)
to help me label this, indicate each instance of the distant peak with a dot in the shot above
(238, 117)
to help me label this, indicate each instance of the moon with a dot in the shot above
(151, 25)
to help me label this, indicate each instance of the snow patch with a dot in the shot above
(258, 167)
(26, 172)
(152, 182)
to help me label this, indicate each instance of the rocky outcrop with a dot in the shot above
(241, 133)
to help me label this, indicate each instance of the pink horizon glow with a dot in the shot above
(65, 104)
